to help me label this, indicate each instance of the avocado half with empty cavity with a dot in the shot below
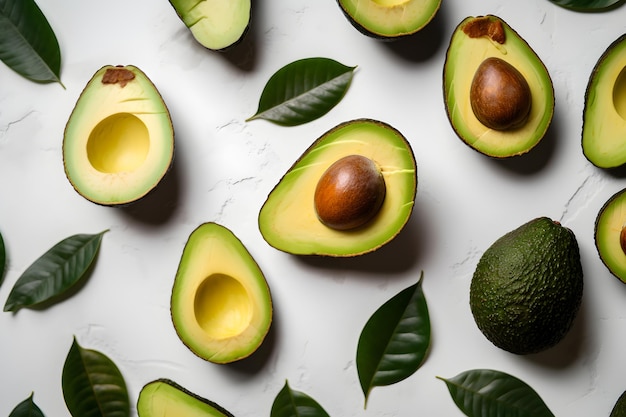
(118, 143)
(215, 24)
(610, 234)
(389, 19)
(221, 305)
(498, 93)
(351, 192)
(604, 114)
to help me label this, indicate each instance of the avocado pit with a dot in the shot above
(349, 193)
(500, 95)
(619, 94)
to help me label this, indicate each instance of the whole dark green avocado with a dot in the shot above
(619, 409)
(527, 287)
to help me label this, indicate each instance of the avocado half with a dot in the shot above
(604, 114)
(610, 234)
(221, 305)
(389, 19)
(165, 398)
(216, 24)
(473, 41)
(119, 140)
(288, 220)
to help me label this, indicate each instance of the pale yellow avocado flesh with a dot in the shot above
(608, 228)
(215, 24)
(221, 305)
(119, 140)
(165, 398)
(464, 56)
(604, 115)
(390, 18)
(288, 220)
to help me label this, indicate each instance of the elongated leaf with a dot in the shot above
(291, 403)
(395, 340)
(27, 408)
(55, 271)
(3, 259)
(92, 384)
(588, 5)
(485, 392)
(28, 44)
(303, 91)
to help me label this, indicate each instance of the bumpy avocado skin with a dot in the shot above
(527, 287)
(165, 398)
(464, 55)
(619, 409)
(604, 112)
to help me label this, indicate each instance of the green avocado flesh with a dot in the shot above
(604, 114)
(165, 398)
(215, 24)
(609, 240)
(389, 19)
(221, 305)
(527, 287)
(119, 140)
(288, 220)
(474, 40)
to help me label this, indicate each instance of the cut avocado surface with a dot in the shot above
(221, 305)
(215, 24)
(610, 234)
(475, 40)
(288, 220)
(604, 114)
(389, 19)
(119, 140)
(165, 398)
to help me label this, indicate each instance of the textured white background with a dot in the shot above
(223, 170)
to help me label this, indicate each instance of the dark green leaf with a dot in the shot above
(588, 5)
(27, 408)
(54, 272)
(290, 403)
(485, 392)
(395, 340)
(3, 259)
(28, 44)
(92, 385)
(303, 91)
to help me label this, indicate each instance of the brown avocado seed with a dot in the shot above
(622, 239)
(500, 95)
(349, 193)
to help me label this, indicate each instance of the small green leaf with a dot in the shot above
(92, 385)
(395, 340)
(3, 259)
(588, 5)
(303, 91)
(485, 392)
(27, 408)
(28, 44)
(55, 271)
(291, 403)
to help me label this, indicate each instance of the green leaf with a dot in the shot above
(588, 5)
(28, 44)
(291, 403)
(27, 408)
(395, 340)
(92, 385)
(485, 392)
(3, 259)
(303, 91)
(55, 271)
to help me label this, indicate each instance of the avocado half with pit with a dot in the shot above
(389, 19)
(604, 114)
(221, 305)
(351, 192)
(610, 234)
(498, 93)
(119, 140)
(215, 24)
(165, 398)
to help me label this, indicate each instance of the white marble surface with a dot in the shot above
(224, 169)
